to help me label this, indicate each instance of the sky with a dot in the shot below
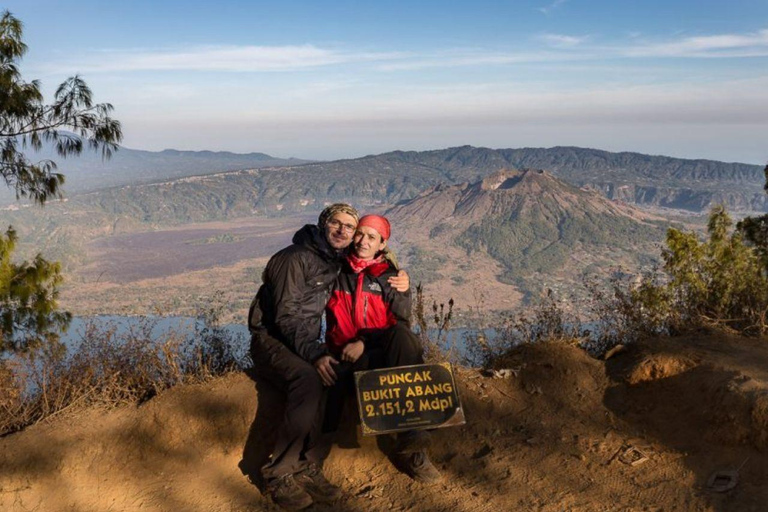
(341, 79)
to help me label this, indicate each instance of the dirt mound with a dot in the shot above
(708, 389)
(659, 366)
(558, 433)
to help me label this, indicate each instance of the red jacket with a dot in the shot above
(363, 302)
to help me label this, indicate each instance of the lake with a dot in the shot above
(160, 328)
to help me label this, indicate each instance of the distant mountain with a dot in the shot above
(649, 181)
(375, 181)
(88, 172)
(693, 185)
(541, 229)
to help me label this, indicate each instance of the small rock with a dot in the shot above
(483, 452)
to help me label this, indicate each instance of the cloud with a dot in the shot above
(223, 58)
(462, 58)
(563, 41)
(547, 10)
(555, 48)
(723, 45)
(568, 48)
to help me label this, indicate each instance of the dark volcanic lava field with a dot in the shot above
(136, 256)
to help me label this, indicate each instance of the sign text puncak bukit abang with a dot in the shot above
(408, 398)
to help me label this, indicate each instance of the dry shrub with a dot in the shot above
(547, 320)
(111, 367)
(11, 389)
(439, 323)
(624, 311)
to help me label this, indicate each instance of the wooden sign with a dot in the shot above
(408, 398)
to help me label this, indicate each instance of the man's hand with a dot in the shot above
(324, 367)
(352, 351)
(401, 282)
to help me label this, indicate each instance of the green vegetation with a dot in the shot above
(26, 121)
(718, 283)
(755, 229)
(424, 266)
(28, 296)
(28, 290)
(541, 242)
(721, 282)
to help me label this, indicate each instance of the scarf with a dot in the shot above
(358, 267)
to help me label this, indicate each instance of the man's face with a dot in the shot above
(339, 230)
(368, 243)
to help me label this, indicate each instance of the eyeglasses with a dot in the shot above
(336, 224)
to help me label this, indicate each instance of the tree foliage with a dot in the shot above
(28, 296)
(721, 281)
(28, 290)
(755, 229)
(26, 121)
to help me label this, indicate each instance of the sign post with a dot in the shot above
(408, 398)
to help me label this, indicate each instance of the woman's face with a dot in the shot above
(367, 243)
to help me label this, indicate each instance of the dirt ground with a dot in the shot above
(550, 437)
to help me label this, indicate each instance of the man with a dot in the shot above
(368, 328)
(285, 320)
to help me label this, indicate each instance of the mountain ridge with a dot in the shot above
(540, 229)
(387, 178)
(88, 172)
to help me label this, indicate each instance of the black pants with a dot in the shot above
(386, 348)
(298, 441)
(303, 437)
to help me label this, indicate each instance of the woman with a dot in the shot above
(368, 328)
(363, 304)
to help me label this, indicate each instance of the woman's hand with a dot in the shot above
(401, 282)
(353, 351)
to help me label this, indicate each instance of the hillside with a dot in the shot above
(549, 438)
(503, 239)
(650, 181)
(513, 256)
(128, 166)
(369, 182)
(542, 231)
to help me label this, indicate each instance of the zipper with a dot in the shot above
(365, 311)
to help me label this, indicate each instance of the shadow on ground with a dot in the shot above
(716, 417)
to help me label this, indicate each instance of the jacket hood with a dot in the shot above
(312, 238)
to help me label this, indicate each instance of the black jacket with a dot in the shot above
(296, 287)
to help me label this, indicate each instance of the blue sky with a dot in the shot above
(323, 79)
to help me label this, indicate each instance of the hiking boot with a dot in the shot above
(418, 466)
(412, 441)
(286, 493)
(316, 485)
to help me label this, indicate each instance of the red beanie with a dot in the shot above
(377, 222)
